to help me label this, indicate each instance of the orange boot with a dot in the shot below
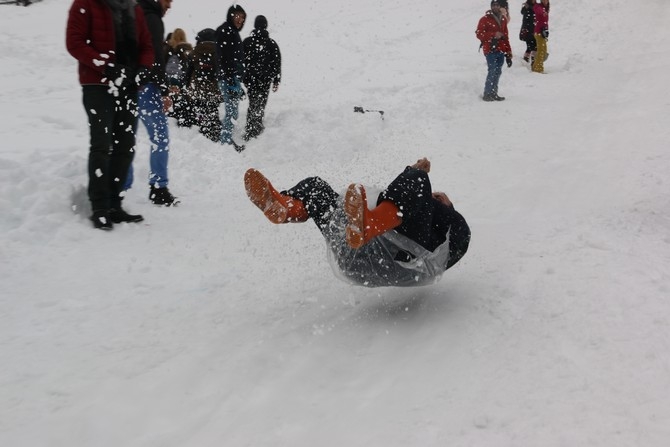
(277, 208)
(365, 224)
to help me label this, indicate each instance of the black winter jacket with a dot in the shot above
(229, 53)
(262, 59)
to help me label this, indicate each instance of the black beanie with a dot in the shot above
(261, 22)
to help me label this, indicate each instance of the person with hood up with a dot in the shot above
(262, 61)
(409, 238)
(111, 43)
(492, 33)
(230, 61)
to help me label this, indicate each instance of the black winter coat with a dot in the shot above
(527, 22)
(262, 59)
(229, 53)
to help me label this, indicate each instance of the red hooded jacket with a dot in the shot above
(90, 38)
(487, 28)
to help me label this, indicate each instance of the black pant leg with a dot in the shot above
(319, 198)
(123, 143)
(258, 98)
(100, 111)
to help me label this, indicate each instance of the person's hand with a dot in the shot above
(144, 76)
(275, 87)
(508, 58)
(442, 197)
(167, 104)
(422, 164)
(499, 35)
(545, 33)
(120, 75)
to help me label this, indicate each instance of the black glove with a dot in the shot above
(120, 75)
(508, 58)
(494, 44)
(545, 33)
(144, 76)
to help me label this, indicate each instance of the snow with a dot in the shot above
(206, 325)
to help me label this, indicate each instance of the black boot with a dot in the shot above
(497, 98)
(488, 97)
(101, 220)
(119, 215)
(162, 196)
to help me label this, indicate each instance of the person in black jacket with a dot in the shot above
(526, 33)
(262, 61)
(230, 61)
(154, 103)
(409, 238)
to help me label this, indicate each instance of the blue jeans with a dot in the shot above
(150, 105)
(232, 106)
(495, 61)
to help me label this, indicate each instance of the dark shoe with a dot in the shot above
(497, 98)
(162, 196)
(238, 147)
(120, 216)
(101, 220)
(488, 98)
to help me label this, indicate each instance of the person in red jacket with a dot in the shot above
(493, 34)
(111, 42)
(541, 11)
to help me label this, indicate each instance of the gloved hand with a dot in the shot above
(508, 59)
(120, 75)
(144, 76)
(545, 33)
(494, 44)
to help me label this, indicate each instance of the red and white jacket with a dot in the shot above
(90, 38)
(486, 30)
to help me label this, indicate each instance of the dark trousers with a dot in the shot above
(112, 122)
(258, 99)
(425, 220)
(531, 44)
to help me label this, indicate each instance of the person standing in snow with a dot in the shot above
(230, 62)
(493, 34)
(262, 61)
(111, 42)
(201, 96)
(154, 103)
(541, 11)
(410, 238)
(527, 32)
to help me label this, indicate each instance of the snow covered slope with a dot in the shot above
(209, 326)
